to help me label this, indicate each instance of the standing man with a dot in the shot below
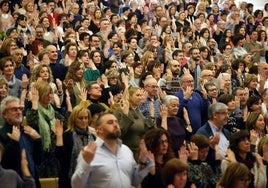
(195, 104)
(109, 163)
(151, 106)
(15, 138)
(170, 82)
(214, 130)
(254, 47)
(58, 70)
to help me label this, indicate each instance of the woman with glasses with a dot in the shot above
(158, 142)
(179, 129)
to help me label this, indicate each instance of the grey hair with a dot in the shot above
(168, 98)
(213, 108)
(7, 100)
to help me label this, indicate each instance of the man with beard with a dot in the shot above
(109, 163)
(214, 130)
(16, 137)
(194, 64)
(170, 81)
(242, 94)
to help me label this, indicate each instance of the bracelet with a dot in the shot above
(144, 163)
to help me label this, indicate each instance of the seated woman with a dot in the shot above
(179, 129)
(158, 142)
(70, 142)
(240, 152)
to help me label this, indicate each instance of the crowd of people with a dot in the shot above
(149, 93)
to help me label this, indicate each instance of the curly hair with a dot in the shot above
(152, 141)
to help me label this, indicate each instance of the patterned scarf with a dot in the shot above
(80, 139)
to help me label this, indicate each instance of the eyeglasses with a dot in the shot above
(15, 109)
(209, 75)
(153, 87)
(222, 113)
(96, 87)
(213, 89)
(163, 142)
(188, 81)
(113, 78)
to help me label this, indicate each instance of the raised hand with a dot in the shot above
(59, 84)
(31, 132)
(230, 156)
(163, 111)
(58, 131)
(124, 105)
(104, 80)
(82, 95)
(253, 137)
(193, 151)
(169, 75)
(88, 152)
(258, 159)
(57, 100)
(183, 154)
(265, 151)
(24, 164)
(143, 151)
(111, 99)
(124, 80)
(15, 135)
(187, 93)
(217, 152)
(162, 94)
(24, 81)
(214, 140)
(34, 97)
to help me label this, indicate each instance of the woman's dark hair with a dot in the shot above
(152, 140)
(237, 38)
(152, 64)
(171, 168)
(237, 137)
(259, 35)
(203, 31)
(236, 62)
(20, 17)
(251, 101)
(143, 78)
(225, 98)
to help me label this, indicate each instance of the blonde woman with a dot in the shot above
(132, 122)
(70, 142)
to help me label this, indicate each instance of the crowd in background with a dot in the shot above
(186, 82)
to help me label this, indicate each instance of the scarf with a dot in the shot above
(80, 139)
(46, 123)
